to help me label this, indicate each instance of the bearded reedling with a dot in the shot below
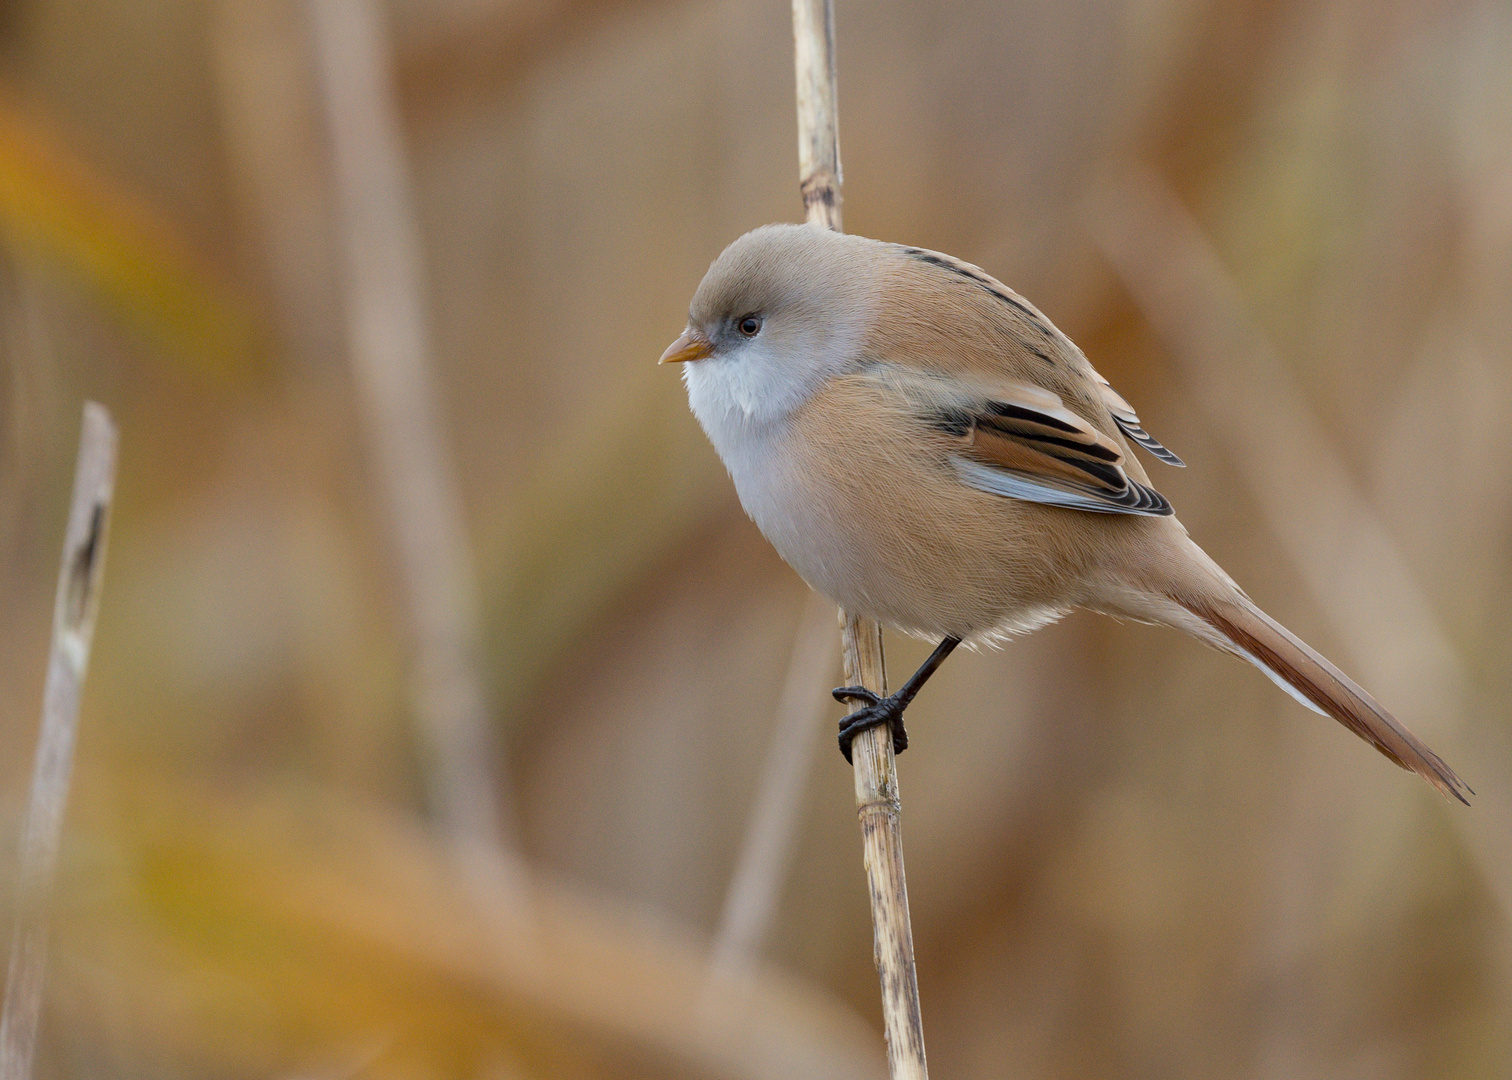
(925, 448)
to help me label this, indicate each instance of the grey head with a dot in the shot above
(782, 309)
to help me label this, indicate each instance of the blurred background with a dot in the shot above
(1283, 230)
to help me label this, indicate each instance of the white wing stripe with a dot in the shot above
(1016, 485)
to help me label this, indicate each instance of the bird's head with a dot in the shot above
(782, 309)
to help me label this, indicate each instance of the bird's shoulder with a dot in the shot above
(950, 318)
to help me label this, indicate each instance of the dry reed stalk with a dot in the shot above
(1344, 551)
(876, 772)
(390, 352)
(751, 901)
(73, 631)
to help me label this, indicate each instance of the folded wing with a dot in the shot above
(1021, 442)
(1033, 336)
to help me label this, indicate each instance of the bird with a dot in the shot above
(925, 448)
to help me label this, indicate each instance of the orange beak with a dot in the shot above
(691, 346)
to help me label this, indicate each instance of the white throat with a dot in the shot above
(744, 402)
(747, 388)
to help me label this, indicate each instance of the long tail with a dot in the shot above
(1242, 628)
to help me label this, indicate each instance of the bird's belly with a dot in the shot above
(907, 547)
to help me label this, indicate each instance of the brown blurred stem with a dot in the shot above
(73, 630)
(1344, 550)
(756, 884)
(390, 351)
(876, 771)
(1340, 544)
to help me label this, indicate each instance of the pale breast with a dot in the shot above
(857, 495)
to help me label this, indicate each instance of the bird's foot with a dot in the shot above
(878, 710)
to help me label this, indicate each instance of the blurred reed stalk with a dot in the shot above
(73, 631)
(391, 355)
(1344, 551)
(877, 801)
(756, 884)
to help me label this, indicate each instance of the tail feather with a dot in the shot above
(1291, 662)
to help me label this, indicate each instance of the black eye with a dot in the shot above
(750, 325)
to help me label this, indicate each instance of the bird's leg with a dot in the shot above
(888, 710)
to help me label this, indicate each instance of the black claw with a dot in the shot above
(845, 694)
(879, 710)
(888, 710)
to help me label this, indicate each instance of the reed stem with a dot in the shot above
(72, 633)
(756, 884)
(877, 801)
(390, 348)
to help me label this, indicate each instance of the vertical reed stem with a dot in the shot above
(390, 345)
(877, 801)
(73, 631)
(756, 884)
